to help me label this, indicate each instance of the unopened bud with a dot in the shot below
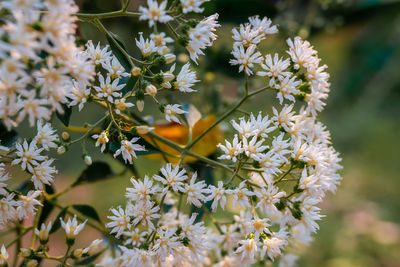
(140, 105)
(169, 58)
(25, 252)
(136, 71)
(168, 76)
(77, 253)
(88, 160)
(65, 136)
(61, 150)
(151, 90)
(144, 129)
(32, 263)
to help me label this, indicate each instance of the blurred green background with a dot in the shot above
(360, 42)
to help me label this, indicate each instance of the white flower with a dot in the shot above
(28, 155)
(244, 128)
(121, 105)
(46, 136)
(231, 150)
(97, 54)
(284, 118)
(185, 79)
(195, 191)
(160, 41)
(173, 178)
(301, 53)
(72, 228)
(259, 226)
(273, 245)
(145, 212)
(128, 149)
(171, 111)
(101, 139)
(202, 36)
(269, 162)
(79, 94)
(310, 213)
(95, 247)
(3, 256)
(274, 68)
(154, 12)
(241, 195)
(267, 197)
(287, 86)
(246, 58)
(254, 148)
(263, 25)
(135, 237)
(26, 204)
(247, 250)
(141, 191)
(260, 126)
(246, 36)
(147, 47)
(308, 182)
(120, 221)
(108, 89)
(43, 233)
(43, 173)
(114, 68)
(166, 244)
(280, 147)
(192, 5)
(217, 194)
(33, 107)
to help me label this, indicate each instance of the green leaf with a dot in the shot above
(129, 84)
(89, 259)
(87, 210)
(98, 171)
(57, 222)
(65, 117)
(119, 51)
(7, 138)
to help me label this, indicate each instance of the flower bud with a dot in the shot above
(136, 71)
(88, 160)
(43, 233)
(61, 150)
(151, 90)
(144, 129)
(168, 76)
(77, 253)
(25, 252)
(95, 247)
(32, 263)
(169, 58)
(65, 136)
(140, 105)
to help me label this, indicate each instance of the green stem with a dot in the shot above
(89, 131)
(66, 256)
(122, 50)
(285, 174)
(106, 15)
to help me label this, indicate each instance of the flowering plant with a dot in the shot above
(275, 170)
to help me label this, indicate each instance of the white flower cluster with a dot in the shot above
(16, 206)
(154, 236)
(39, 61)
(299, 76)
(277, 167)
